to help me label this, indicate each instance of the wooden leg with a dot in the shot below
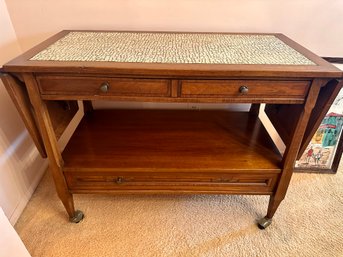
(273, 205)
(276, 199)
(65, 196)
(291, 154)
(53, 152)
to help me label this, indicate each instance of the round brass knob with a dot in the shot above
(119, 180)
(243, 90)
(104, 87)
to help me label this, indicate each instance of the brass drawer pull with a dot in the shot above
(244, 90)
(104, 87)
(119, 180)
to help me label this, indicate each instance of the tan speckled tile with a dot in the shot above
(172, 48)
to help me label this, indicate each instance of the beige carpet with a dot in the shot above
(308, 223)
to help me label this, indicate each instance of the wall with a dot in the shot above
(10, 243)
(313, 23)
(20, 166)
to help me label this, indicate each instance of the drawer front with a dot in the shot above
(244, 88)
(202, 182)
(93, 86)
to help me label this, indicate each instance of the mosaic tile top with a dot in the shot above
(197, 48)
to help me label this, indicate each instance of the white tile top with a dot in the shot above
(191, 48)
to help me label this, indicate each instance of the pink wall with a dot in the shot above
(20, 165)
(313, 23)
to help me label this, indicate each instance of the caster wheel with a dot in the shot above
(78, 216)
(264, 223)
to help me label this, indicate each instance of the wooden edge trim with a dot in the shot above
(20, 98)
(319, 111)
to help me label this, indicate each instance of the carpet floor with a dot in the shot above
(307, 223)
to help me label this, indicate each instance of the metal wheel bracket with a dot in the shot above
(78, 216)
(264, 223)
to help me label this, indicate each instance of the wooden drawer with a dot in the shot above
(94, 86)
(244, 88)
(170, 181)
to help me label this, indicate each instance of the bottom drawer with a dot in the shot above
(201, 182)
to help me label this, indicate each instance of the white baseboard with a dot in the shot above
(27, 195)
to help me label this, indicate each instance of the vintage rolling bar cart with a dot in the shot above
(171, 151)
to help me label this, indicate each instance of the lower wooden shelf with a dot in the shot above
(171, 151)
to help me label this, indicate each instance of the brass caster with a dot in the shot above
(78, 216)
(264, 223)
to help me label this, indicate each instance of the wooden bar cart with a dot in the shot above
(171, 151)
